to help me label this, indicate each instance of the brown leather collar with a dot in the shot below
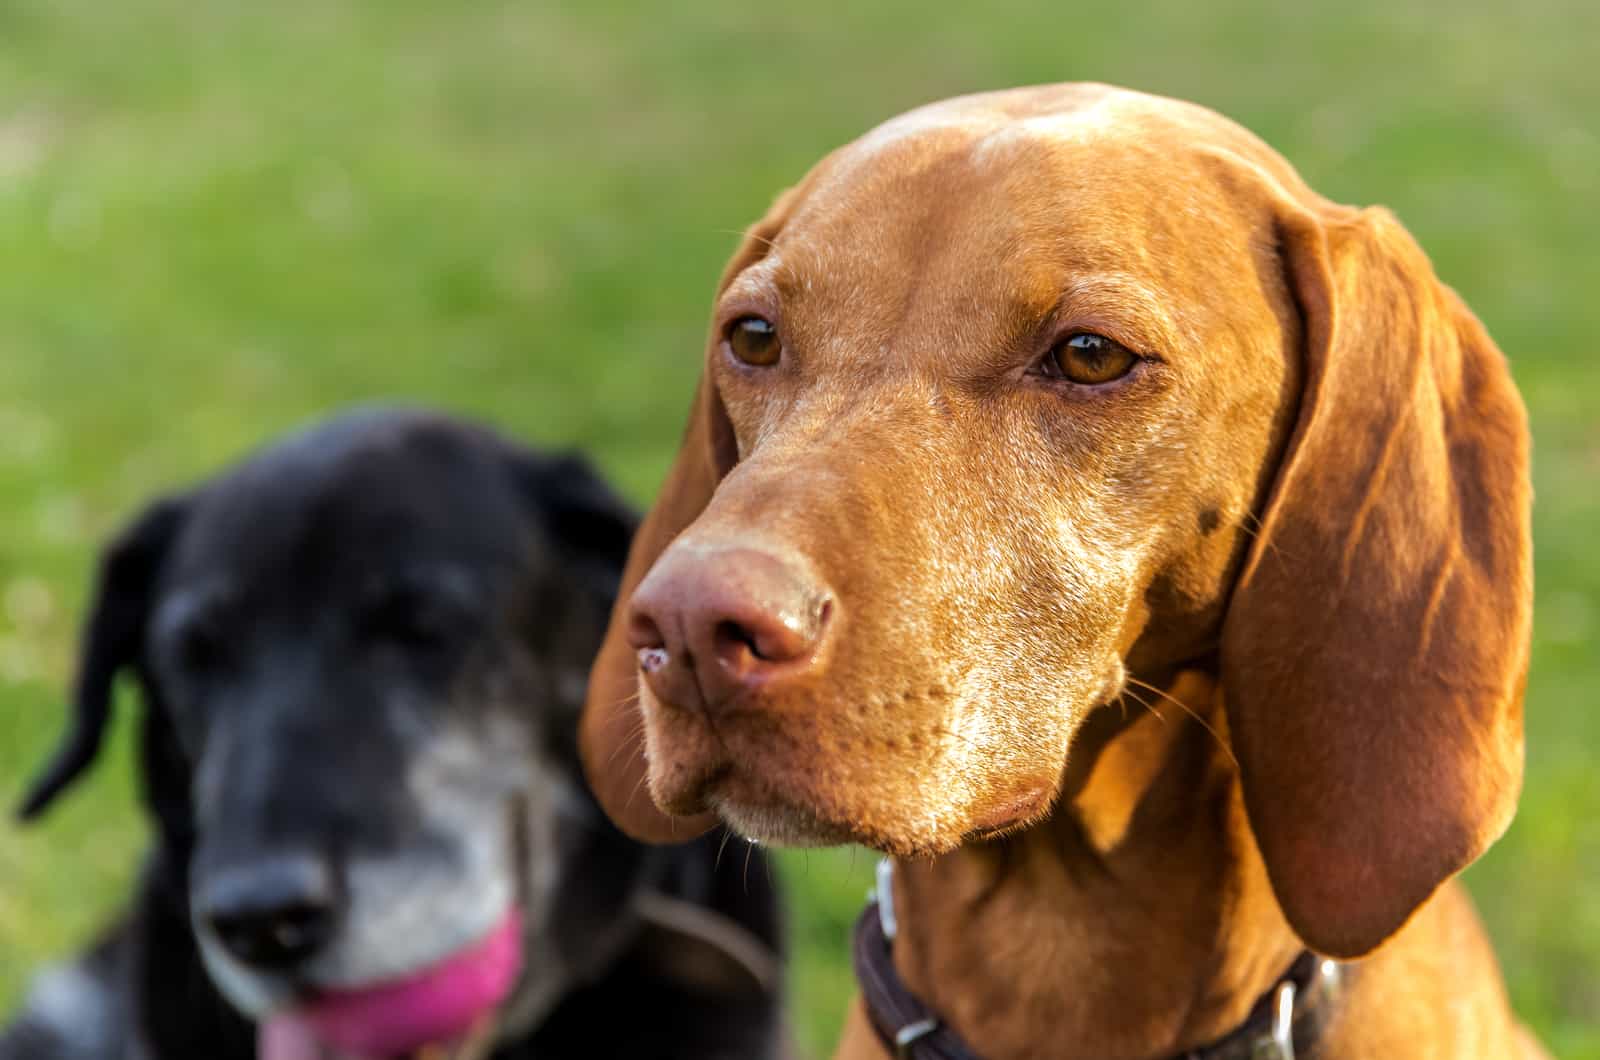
(1285, 1023)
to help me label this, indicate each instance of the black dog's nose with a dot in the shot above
(272, 913)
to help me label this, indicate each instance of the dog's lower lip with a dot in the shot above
(695, 794)
(1009, 814)
(757, 812)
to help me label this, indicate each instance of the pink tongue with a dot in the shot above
(437, 1005)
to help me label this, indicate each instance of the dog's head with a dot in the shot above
(1022, 393)
(363, 653)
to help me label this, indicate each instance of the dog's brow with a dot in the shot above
(445, 579)
(756, 283)
(1123, 300)
(183, 605)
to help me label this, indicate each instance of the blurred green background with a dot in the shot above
(219, 219)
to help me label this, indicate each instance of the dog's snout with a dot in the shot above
(708, 624)
(276, 913)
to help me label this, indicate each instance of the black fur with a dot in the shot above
(305, 525)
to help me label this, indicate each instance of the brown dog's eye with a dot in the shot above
(1089, 359)
(754, 341)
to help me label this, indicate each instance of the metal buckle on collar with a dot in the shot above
(1280, 1046)
(883, 894)
(910, 1035)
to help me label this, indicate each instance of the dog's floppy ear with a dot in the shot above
(1376, 645)
(611, 735)
(112, 638)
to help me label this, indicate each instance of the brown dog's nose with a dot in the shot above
(710, 623)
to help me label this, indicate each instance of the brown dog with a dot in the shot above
(1070, 417)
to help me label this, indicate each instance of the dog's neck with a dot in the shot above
(1136, 921)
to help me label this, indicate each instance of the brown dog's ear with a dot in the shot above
(1376, 645)
(611, 734)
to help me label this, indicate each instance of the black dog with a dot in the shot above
(362, 654)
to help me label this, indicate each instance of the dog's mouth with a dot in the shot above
(445, 1012)
(777, 779)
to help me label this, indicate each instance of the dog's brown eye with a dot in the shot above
(1089, 359)
(754, 341)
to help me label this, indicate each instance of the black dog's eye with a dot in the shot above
(754, 341)
(411, 620)
(1089, 359)
(202, 647)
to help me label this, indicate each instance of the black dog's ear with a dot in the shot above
(583, 514)
(112, 638)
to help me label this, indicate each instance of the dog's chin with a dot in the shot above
(776, 825)
(776, 806)
(766, 807)
(784, 825)
(691, 777)
(754, 771)
(761, 814)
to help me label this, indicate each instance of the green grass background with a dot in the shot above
(219, 219)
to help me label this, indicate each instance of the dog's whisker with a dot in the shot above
(954, 735)
(1206, 725)
(637, 784)
(629, 700)
(1145, 703)
(630, 740)
(1252, 525)
(744, 234)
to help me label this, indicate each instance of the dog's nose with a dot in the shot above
(710, 623)
(274, 913)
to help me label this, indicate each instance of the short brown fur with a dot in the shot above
(1273, 589)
